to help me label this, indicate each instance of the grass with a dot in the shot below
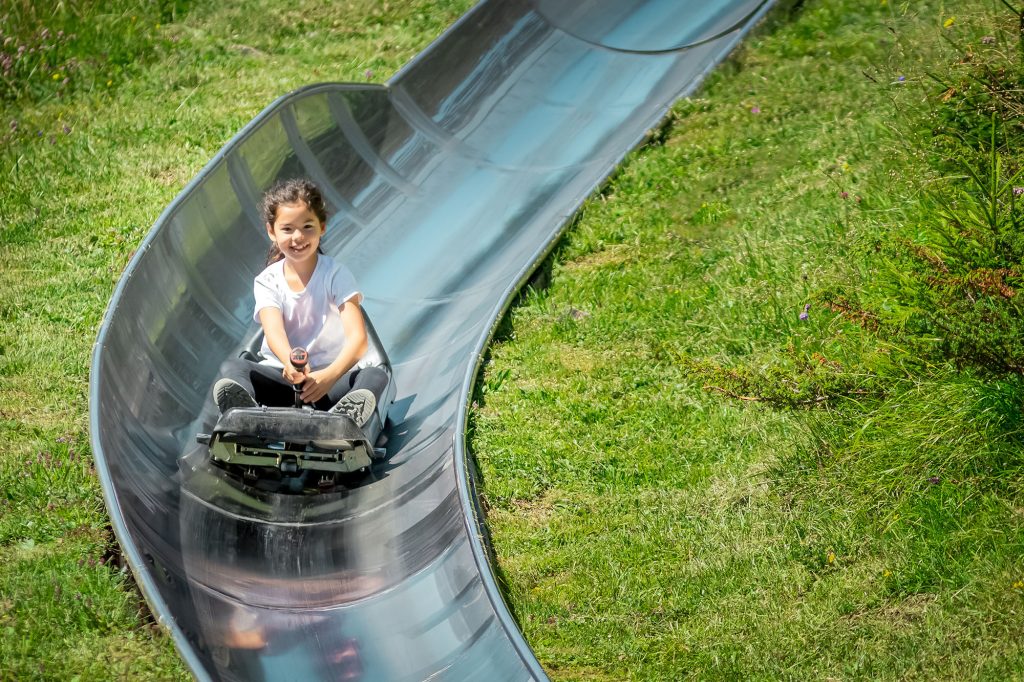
(87, 167)
(687, 479)
(56, 49)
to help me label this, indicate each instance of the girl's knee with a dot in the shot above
(376, 373)
(232, 366)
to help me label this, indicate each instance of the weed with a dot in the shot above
(50, 49)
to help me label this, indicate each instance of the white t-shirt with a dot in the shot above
(311, 316)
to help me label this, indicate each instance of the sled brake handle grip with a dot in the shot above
(299, 359)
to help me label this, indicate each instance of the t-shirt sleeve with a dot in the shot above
(343, 286)
(266, 295)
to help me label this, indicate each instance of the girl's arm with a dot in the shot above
(277, 338)
(320, 381)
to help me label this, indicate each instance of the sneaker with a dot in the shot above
(228, 393)
(357, 405)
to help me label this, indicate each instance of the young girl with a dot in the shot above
(304, 298)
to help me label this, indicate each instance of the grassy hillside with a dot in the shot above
(763, 420)
(108, 111)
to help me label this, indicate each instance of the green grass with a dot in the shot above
(684, 478)
(86, 168)
(55, 49)
(687, 480)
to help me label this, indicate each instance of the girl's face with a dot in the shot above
(296, 231)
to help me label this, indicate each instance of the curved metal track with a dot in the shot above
(448, 187)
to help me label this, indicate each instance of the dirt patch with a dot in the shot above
(909, 610)
(615, 254)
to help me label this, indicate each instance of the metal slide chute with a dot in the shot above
(447, 187)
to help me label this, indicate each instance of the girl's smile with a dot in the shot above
(295, 248)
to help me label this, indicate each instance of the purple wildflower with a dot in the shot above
(755, 109)
(1017, 191)
(368, 74)
(902, 79)
(844, 195)
(806, 314)
(934, 480)
(67, 129)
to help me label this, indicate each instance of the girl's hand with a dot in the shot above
(317, 385)
(292, 375)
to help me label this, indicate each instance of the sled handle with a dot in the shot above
(299, 359)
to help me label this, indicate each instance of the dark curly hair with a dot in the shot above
(294, 191)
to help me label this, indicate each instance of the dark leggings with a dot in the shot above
(266, 384)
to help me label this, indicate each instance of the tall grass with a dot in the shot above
(765, 422)
(51, 49)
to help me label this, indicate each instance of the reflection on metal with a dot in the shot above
(448, 186)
